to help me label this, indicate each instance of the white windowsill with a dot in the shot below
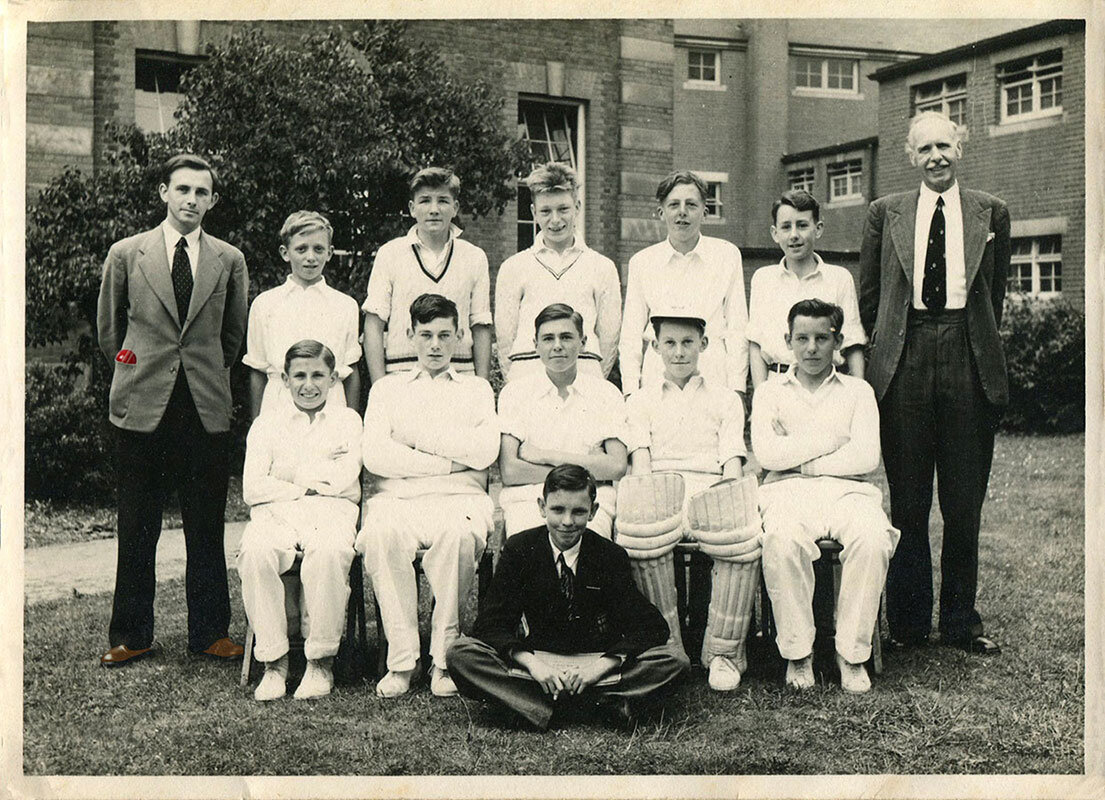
(835, 94)
(845, 202)
(1026, 122)
(705, 86)
(714, 221)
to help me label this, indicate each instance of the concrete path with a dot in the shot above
(55, 572)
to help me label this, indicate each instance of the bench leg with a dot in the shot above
(247, 656)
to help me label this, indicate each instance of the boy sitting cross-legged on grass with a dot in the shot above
(817, 431)
(302, 482)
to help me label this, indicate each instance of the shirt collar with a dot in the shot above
(695, 382)
(791, 376)
(548, 387)
(296, 415)
(577, 246)
(571, 555)
(418, 373)
(290, 285)
(670, 252)
(172, 236)
(950, 195)
(815, 271)
(412, 235)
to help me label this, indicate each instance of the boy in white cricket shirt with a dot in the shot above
(797, 225)
(303, 307)
(302, 482)
(430, 259)
(817, 431)
(559, 268)
(689, 270)
(559, 416)
(430, 435)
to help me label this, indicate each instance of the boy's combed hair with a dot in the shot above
(569, 478)
(305, 222)
(799, 200)
(188, 161)
(435, 178)
(309, 348)
(696, 323)
(428, 307)
(678, 177)
(817, 308)
(557, 311)
(553, 177)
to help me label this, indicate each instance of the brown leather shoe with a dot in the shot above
(121, 654)
(224, 648)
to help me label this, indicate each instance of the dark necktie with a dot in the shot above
(182, 279)
(934, 289)
(567, 582)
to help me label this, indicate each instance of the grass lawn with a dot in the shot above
(932, 711)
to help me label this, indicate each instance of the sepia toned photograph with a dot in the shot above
(491, 396)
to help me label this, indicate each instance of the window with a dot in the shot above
(947, 96)
(713, 200)
(551, 133)
(1031, 87)
(846, 180)
(702, 65)
(1036, 266)
(801, 179)
(827, 75)
(157, 88)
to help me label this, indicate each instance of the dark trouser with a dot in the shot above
(934, 414)
(178, 455)
(482, 674)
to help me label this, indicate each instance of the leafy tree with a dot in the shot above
(336, 124)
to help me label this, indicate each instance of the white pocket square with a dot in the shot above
(990, 236)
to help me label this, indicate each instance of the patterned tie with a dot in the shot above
(567, 582)
(934, 289)
(182, 279)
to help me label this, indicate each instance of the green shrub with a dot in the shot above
(1045, 351)
(68, 439)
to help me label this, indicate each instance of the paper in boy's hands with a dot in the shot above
(126, 357)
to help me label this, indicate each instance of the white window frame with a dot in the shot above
(704, 83)
(1034, 259)
(852, 170)
(1034, 79)
(578, 155)
(797, 179)
(718, 179)
(944, 97)
(823, 89)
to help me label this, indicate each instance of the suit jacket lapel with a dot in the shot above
(155, 267)
(903, 221)
(208, 270)
(976, 226)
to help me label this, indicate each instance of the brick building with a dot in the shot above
(752, 104)
(1021, 96)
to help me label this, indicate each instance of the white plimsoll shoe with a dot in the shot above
(441, 684)
(273, 684)
(853, 677)
(395, 683)
(800, 673)
(317, 681)
(724, 675)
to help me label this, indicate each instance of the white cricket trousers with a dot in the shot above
(453, 529)
(322, 528)
(796, 513)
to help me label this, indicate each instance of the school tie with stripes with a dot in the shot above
(567, 581)
(182, 279)
(934, 288)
